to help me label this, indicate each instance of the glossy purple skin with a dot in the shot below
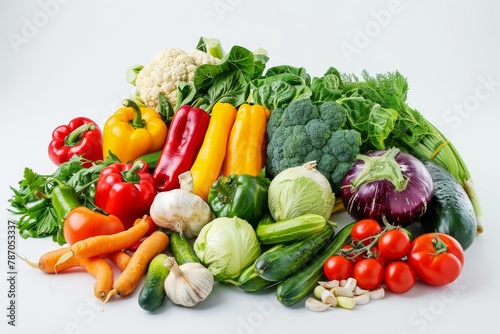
(380, 198)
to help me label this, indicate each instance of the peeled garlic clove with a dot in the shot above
(315, 305)
(351, 283)
(346, 302)
(362, 299)
(359, 291)
(327, 297)
(342, 291)
(377, 293)
(330, 284)
(318, 290)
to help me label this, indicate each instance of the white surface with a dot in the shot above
(73, 64)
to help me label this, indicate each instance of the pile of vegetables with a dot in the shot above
(220, 170)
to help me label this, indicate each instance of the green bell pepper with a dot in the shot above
(243, 196)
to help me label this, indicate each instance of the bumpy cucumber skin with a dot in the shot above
(283, 260)
(152, 292)
(294, 288)
(270, 232)
(450, 210)
(182, 249)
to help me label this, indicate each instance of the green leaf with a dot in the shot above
(229, 87)
(185, 94)
(164, 108)
(373, 122)
(212, 46)
(237, 58)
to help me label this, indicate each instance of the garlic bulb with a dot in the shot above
(187, 284)
(181, 211)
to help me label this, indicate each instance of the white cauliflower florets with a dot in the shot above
(166, 71)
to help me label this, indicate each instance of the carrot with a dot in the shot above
(128, 280)
(102, 272)
(120, 258)
(47, 262)
(105, 244)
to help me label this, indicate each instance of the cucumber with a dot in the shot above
(251, 282)
(152, 292)
(283, 260)
(182, 249)
(270, 232)
(450, 210)
(294, 288)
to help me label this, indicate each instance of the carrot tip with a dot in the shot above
(30, 263)
(110, 294)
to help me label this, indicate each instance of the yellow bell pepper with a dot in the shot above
(132, 131)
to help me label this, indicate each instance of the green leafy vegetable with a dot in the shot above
(226, 246)
(412, 132)
(31, 199)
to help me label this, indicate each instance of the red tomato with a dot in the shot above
(369, 273)
(364, 229)
(394, 244)
(337, 267)
(399, 277)
(437, 258)
(82, 222)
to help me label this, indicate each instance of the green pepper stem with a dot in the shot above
(223, 188)
(132, 175)
(76, 135)
(383, 167)
(137, 121)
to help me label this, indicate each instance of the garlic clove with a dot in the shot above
(329, 284)
(342, 291)
(359, 291)
(362, 299)
(315, 305)
(327, 297)
(377, 293)
(351, 283)
(346, 302)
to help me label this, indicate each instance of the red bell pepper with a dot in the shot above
(81, 136)
(185, 137)
(126, 191)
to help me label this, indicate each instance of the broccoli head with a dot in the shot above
(303, 131)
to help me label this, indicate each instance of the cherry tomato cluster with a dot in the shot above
(377, 255)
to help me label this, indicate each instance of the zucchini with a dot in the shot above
(292, 289)
(283, 260)
(249, 280)
(152, 292)
(274, 232)
(450, 210)
(151, 159)
(182, 249)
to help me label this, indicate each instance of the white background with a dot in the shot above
(63, 59)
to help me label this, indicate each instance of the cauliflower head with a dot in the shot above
(303, 131)
(166, 71)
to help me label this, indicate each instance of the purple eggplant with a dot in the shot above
(387, 183)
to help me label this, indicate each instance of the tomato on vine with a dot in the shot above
(394, 244)
(364, 230)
